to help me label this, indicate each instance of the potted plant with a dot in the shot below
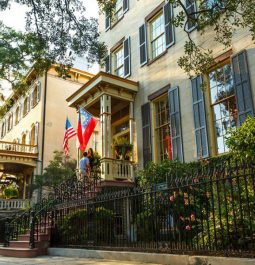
(123, 149)
(11, 192)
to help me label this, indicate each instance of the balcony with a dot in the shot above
(9, 148)
(13, 204)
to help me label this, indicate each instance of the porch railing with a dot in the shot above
(17, 147)
(13, 204)
(117, 169)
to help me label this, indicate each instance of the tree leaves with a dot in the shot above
(56, 32)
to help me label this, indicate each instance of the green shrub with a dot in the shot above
(73, 228)
(241, 141)
(145, 226)
(11, 192)
(79, 227)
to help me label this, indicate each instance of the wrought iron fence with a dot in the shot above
(208, 210)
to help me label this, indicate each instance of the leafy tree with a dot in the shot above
(56, 32)
(59, 169)
(223, 17)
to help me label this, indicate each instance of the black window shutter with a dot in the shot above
(143, 44)
(108, 64)
(169, 27)
(125, 5)
(242, 86)
(146, 126)
(199, 118)
(175, 123)
(127, 57)
(107, 20)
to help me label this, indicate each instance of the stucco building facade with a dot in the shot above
(172, 117)
(33, 128)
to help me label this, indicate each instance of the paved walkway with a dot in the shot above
(65, 261)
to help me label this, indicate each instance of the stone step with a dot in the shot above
(25, 244)
(22, 252)
(39, 237)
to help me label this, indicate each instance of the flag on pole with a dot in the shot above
(69, 133)
(86, 125)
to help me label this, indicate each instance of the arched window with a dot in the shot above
(23, 140)
(10, 121)
(35, 96)
(3, 128)
(17, 115)
(25, 109)
(32, 140)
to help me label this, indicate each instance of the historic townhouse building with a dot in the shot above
(33, 128)
(172, 117)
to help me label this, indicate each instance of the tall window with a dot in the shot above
(35, 96)
(157, 32)
(17, 115)
(3, 130)
(32, 140)
(191, 9)
(25, 107)
(119, 10)
(223, 103)
(119, 62)
(163, 129)
(10, 121)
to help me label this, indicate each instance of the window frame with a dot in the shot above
(187, 8)
(210, 107)
(115, 52)
(161, 35)
(157, 128)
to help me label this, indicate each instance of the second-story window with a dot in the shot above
(10, 122)
(3, 130)
(17, 115)
(35, 96)
(119, 62)
(25, 107)
(157, 33)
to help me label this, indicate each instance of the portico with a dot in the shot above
(111, 99)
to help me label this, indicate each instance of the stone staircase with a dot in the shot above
(21, 247)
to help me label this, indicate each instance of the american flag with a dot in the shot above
(69, 133)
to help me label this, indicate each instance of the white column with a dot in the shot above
(131, 134)
(131, 123)
(105, 119)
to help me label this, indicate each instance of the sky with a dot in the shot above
(15, 18)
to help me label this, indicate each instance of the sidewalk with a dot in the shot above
(64, 261)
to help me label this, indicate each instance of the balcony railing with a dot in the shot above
(117, 169)
(16, 147)
(13, 204)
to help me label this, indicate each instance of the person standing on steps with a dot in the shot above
(91, 162)
(84, 167)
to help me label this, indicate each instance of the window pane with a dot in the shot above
(119, 62)
(163, 129)
(157, 36)
(224, 104)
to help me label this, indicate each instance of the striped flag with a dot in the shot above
(69, 133)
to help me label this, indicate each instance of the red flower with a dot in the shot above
(187, 228)
(171, 198)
